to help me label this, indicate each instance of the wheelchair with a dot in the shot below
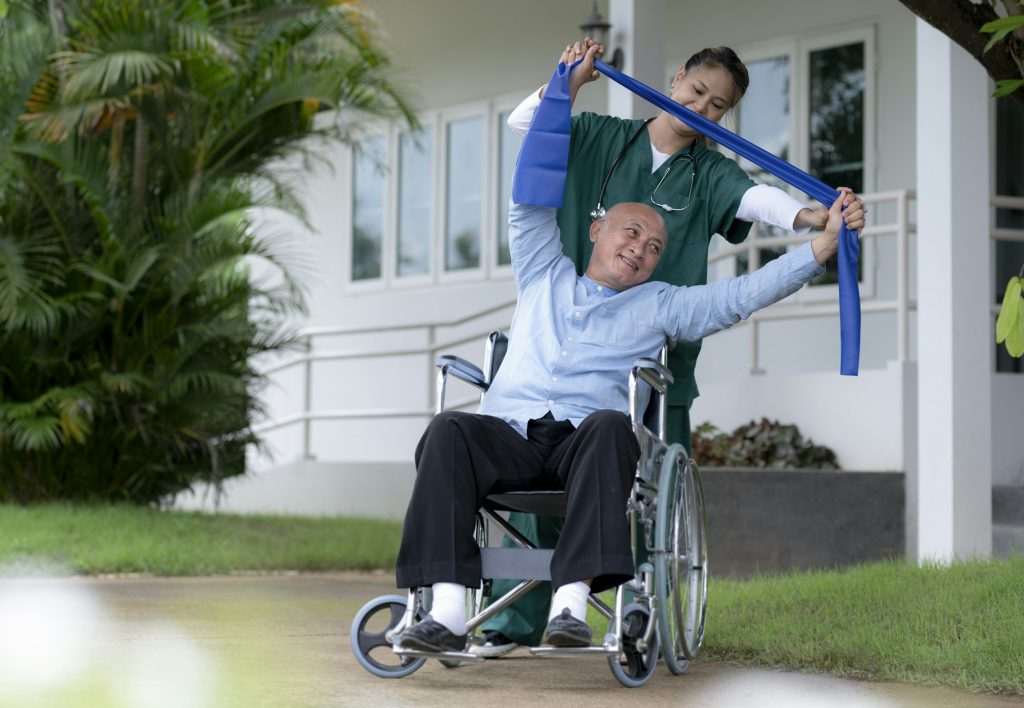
(659, 613)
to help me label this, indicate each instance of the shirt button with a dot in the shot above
(551, 402)
(554, 378)
(600, 288)
(563, 352)
(577, 314)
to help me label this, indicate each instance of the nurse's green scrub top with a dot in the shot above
(717, 189)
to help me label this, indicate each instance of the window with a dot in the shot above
(836, 121)
(464, 194)
(764, 120)
(431, 205)
(836, 115)
(1009, 182)
(415, 201)
(808, 102)
(368, 177)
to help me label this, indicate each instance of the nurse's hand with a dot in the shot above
(588, 50)
(849, 208)
(853, 214)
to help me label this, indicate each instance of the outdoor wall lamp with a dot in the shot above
(597, 29)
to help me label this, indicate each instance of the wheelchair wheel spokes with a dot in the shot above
(635, 666)
(369, 642)
(681, 560)
(694, 567)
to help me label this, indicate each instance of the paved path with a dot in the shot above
(283, 641)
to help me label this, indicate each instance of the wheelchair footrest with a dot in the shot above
(601, 649)
(456, 655)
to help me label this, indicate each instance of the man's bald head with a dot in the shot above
(628, 242)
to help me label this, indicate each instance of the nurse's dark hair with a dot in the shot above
(727, 59)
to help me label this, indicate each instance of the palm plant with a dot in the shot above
(139, 144)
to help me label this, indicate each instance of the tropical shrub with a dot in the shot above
(763, 443)
(139, 144)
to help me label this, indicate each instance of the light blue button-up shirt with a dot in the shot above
(573, 342)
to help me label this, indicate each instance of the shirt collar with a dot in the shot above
(596, 289)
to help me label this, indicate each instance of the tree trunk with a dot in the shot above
(139, 163)
(961, 21)
(116, 151)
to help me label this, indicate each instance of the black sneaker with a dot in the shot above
(433, 636)
(495, 644)
(564, 630)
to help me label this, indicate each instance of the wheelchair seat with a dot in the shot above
(541, 502)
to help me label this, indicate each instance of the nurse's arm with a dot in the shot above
(520, 118)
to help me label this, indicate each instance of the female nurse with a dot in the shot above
(698, 191)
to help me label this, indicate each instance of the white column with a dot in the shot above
(637, 30)
(954, 294)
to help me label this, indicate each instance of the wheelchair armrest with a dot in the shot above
(462, 369)
(658, 376)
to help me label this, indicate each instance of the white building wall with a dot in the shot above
(454, 53)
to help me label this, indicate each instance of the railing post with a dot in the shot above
(755, 336)
(307, 400)
(432, 399)
(753, 252)
(753, 263)
(902, 277)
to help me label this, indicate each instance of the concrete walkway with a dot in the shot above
(284, 641)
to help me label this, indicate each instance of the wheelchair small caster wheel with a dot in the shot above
(633, 667)
(450, 663)
(372, 649)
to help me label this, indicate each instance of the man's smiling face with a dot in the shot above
(628, 244)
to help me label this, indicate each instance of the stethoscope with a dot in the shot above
(599, 211)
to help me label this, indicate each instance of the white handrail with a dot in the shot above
(900, 228)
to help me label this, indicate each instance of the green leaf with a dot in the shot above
(995, 39)
(1006, 87)
(39, 434)
(96, 274)
(1015, 340)
(1010, 323)
(1003, 23)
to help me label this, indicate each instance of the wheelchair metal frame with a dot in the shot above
(668, 530)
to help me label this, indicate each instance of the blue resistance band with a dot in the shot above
(539, 179)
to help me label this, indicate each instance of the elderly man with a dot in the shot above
(555, 414)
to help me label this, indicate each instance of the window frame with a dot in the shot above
(428, 124)
(436, 123)
(500, 105)
(797, 50)
(445, 276)
(349, 166)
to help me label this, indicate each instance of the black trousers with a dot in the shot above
(463, 457)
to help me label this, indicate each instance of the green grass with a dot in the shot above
(124, 539)
(960, 625)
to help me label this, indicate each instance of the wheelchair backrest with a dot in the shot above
(494, 353)
(497, 345)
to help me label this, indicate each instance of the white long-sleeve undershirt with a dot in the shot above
(761, 203)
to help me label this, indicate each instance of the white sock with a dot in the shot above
(574, 596)
(449, 606)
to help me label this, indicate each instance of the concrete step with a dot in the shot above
(313, 488)
(1007, 540)
(1008, 505)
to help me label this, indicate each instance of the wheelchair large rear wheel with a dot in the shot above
(681, 566)
(369, 644)
(633, 667)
